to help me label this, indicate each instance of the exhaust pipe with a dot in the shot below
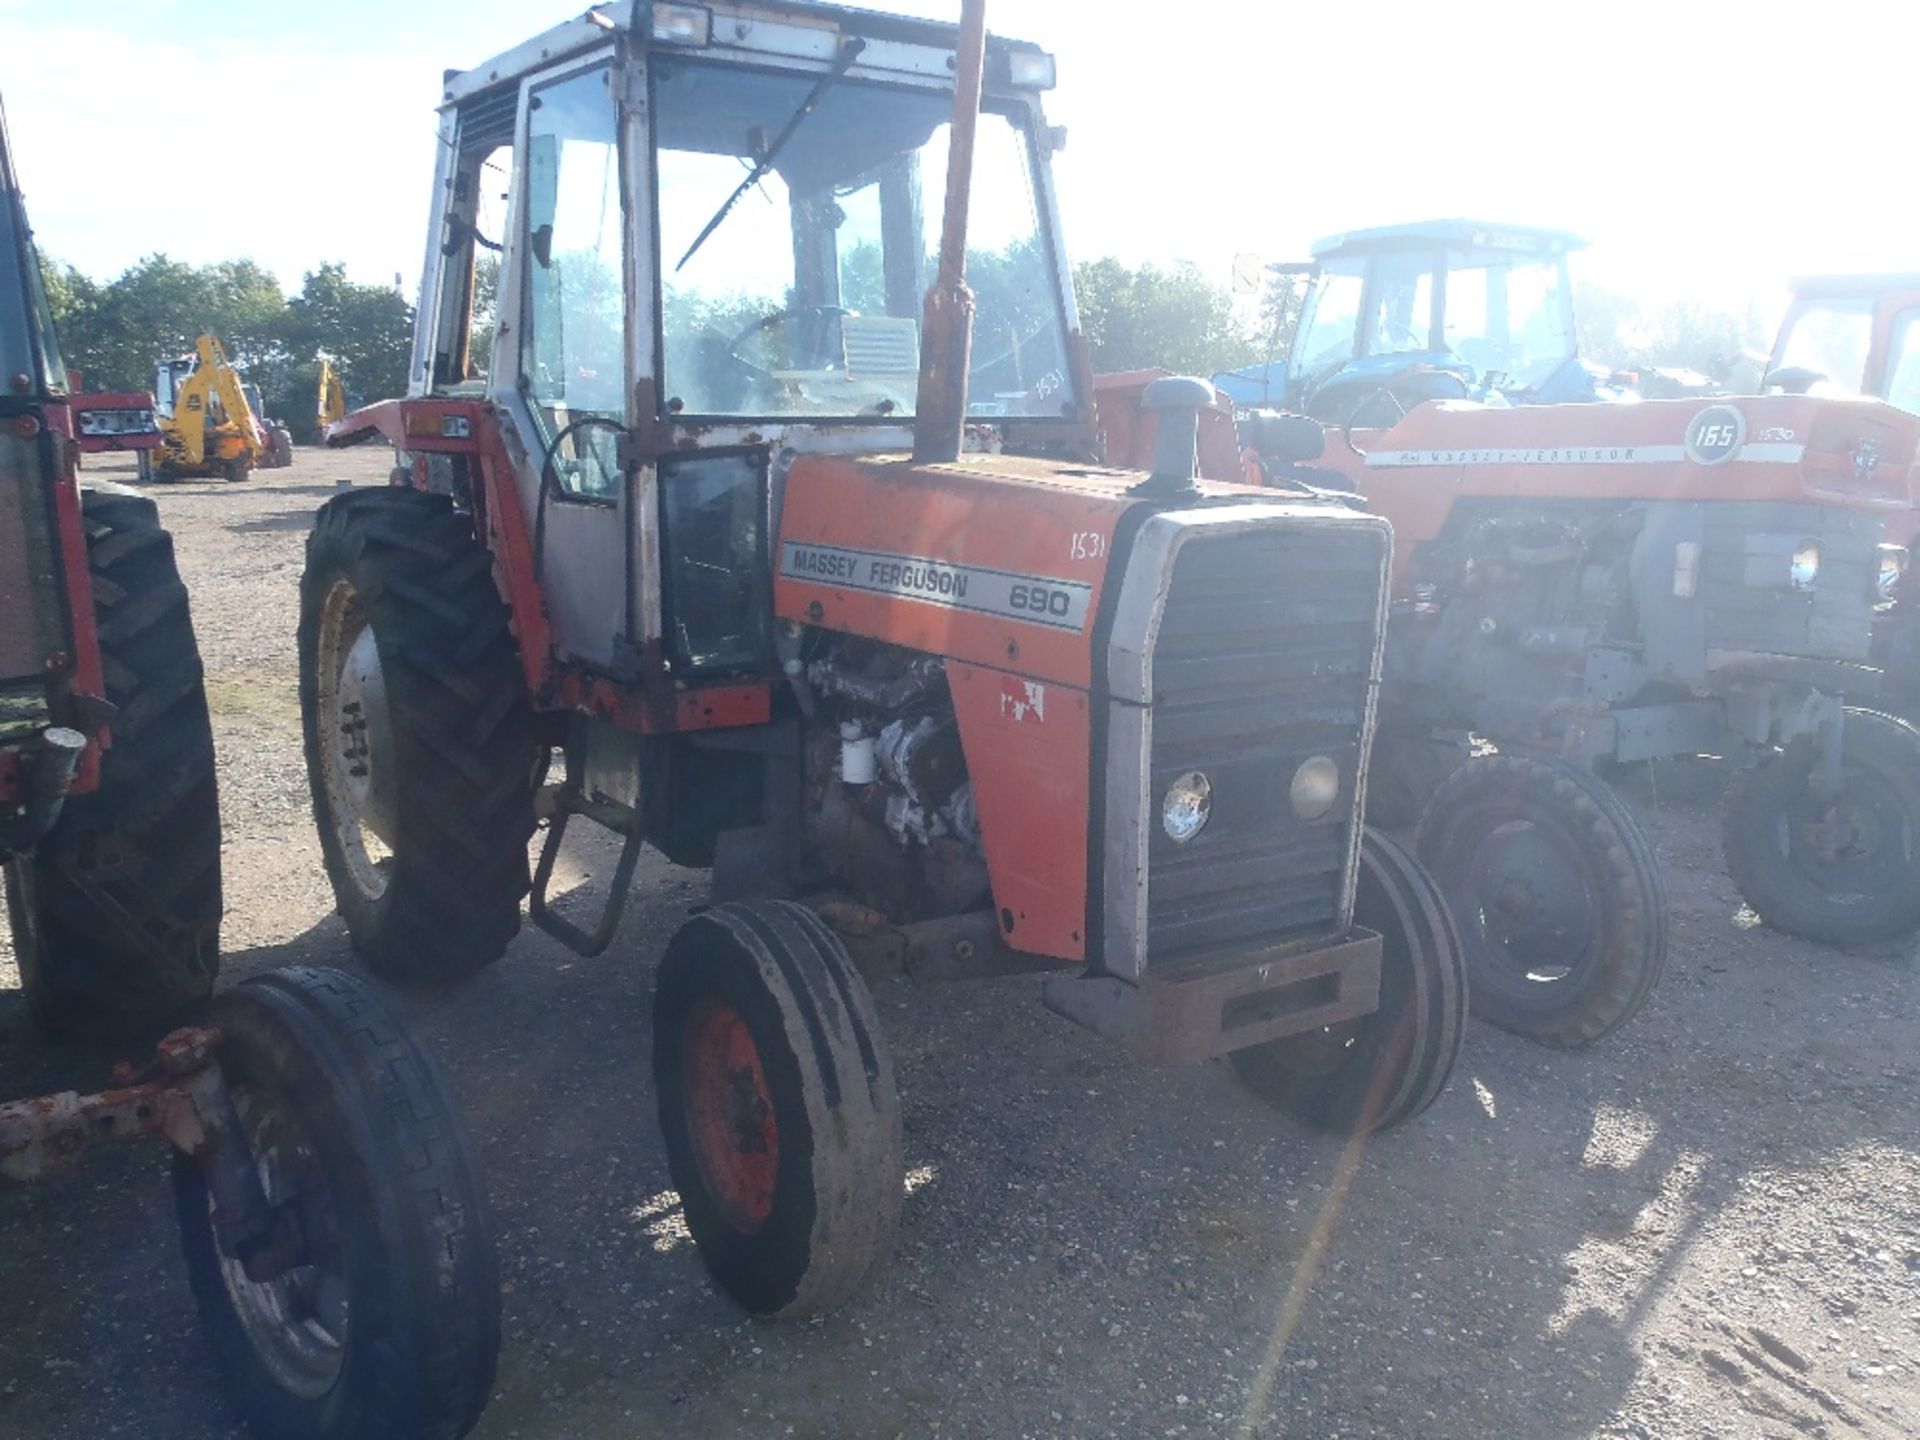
(946, 346)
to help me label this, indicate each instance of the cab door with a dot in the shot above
(561, 373)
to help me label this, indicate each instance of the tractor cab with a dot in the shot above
(1851, 335)
(1436, 310)
(712, 230)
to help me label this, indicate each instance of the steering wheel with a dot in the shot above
(1389, 327)
(1392, 391)
(812, 338)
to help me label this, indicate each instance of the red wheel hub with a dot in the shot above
(730, 1118)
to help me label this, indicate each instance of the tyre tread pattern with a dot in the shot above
(831, 1031)
(463, 727)
(427, 1370)
(1892, 746)
(125, 891)
(1633, 892)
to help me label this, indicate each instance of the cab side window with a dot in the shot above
(573, 343)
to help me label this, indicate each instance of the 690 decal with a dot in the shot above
(1034, 599)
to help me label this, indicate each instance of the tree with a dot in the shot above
(1616, 329)
(366, 330)
(1172, 319)
(114, 333)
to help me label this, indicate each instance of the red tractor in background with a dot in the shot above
(335, 1235)
(825, 589)
(1593, 584)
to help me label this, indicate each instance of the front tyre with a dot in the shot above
(116, 913)
(386, 1326)
(1843, 870)
(419, 735)
(777, 1106)
(1381, 1069)
(1556, 892)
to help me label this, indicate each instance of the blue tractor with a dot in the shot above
(1439, 309)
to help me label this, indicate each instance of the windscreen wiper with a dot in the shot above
(764, 165)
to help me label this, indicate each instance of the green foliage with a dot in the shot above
(1618, 330)
(365, 330)
(1171, 318)
(114, 333)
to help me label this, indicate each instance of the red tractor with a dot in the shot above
(336, 1238)
(1587, 585)
(814, 594)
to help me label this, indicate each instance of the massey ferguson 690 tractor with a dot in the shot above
(1592, 584)
(336, 1239)
(816, 596)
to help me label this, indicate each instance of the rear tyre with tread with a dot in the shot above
(1382, 1069)
(452, 764)
(387, 1327)
(116, 913)
(777, 1106)
(1845, 872)
(1556, 893)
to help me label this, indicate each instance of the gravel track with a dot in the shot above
(1707, 1226)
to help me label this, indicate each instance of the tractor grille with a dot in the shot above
(1747, 553)
(1266, 655)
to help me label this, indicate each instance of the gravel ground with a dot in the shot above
(1709, 1226)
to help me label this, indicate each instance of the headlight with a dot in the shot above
(1893, 564)
(1188, 806)
(1805, 569)
(1315, 788)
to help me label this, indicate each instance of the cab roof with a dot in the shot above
(733, 33)
(1450, 235)
(1849, 286)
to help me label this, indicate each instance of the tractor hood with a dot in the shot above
(996, 560)
(1787, 447)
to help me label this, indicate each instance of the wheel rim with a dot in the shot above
(298, 1322)
(1852, 848)
(1531, 915)
(730, 1117)
(356, 741)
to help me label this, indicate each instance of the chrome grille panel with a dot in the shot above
(1261, 649)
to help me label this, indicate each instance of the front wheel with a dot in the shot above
(385, 1325)
(1381, 1069)
(777, 1106)
(1556, 893)
(1845, 869)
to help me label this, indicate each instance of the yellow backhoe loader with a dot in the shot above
(207, 428)
(330, 404)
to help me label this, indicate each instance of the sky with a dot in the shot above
(1707, 149)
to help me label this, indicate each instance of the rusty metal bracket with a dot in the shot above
(180, 1095)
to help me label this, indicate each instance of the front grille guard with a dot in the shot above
(1130, 810)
